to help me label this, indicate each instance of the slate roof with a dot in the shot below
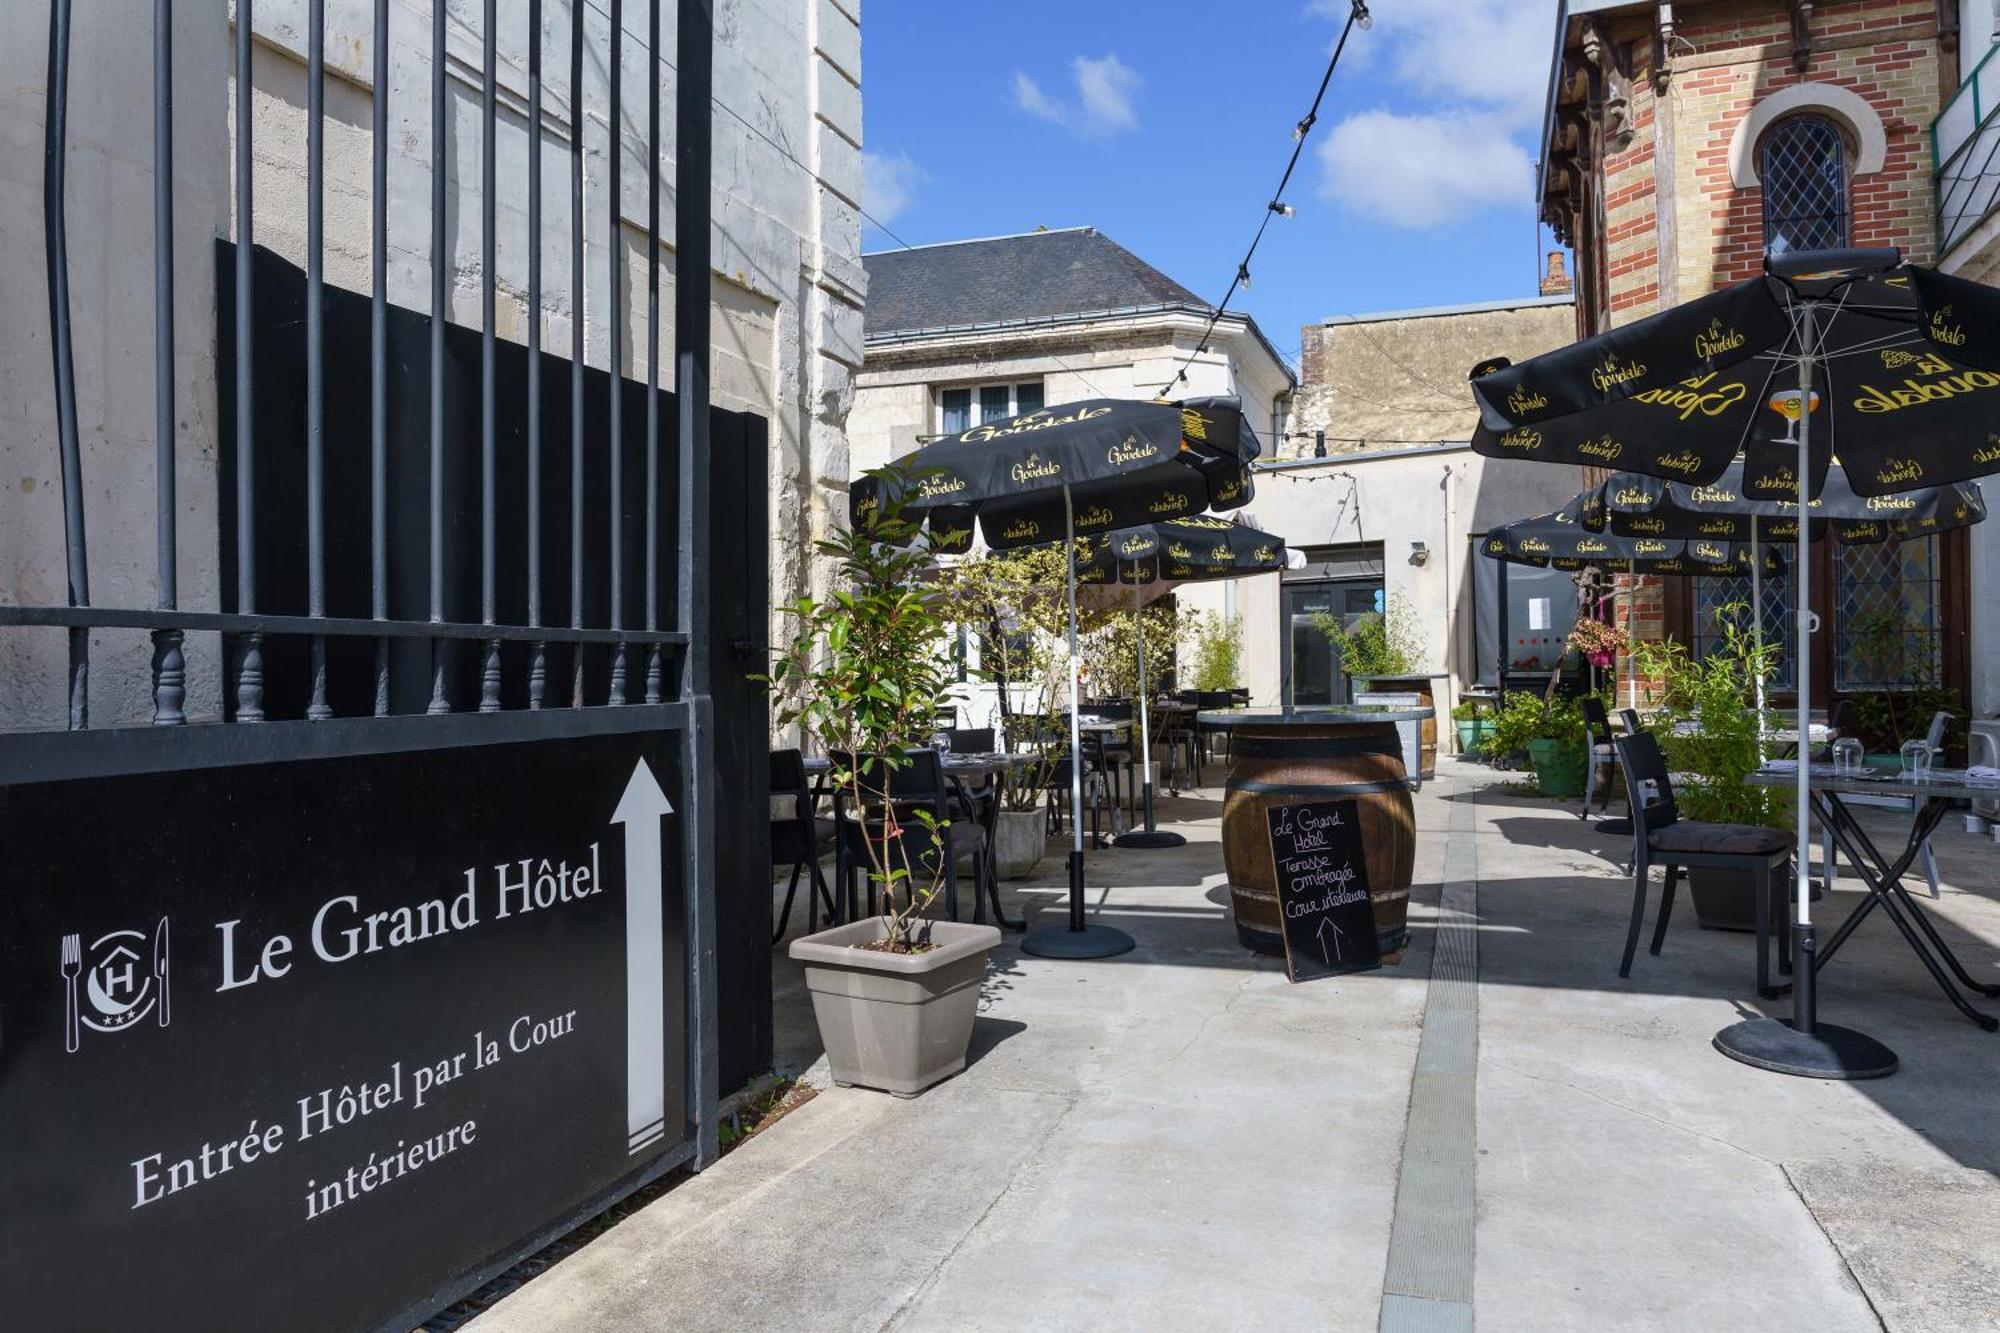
(1039, 275)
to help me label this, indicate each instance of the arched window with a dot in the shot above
(1802, 165)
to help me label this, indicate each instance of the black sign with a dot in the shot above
(303, 1044)
(1329, 922)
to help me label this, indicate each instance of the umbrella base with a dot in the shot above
(1825, 1052)
(1146, 837)
(1618, 826)
(1090, 942)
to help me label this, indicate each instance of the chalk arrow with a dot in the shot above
(1332, 956)
(639, 810)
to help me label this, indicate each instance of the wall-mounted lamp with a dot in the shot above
(1419, 553)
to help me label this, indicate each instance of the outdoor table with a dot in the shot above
(1931, 795)
(960, 768)
(1288, 756)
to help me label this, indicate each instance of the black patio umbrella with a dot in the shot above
(1638, 505)
(1151, 561)
(1898, 364)
(1564, 540)
(1080, 469)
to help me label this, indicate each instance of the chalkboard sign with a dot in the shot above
(1329, 921)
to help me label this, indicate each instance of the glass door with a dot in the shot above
(1313, 673)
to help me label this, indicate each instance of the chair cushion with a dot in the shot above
(1690, 835)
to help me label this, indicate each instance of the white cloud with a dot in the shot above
(1105, 90)
(1423, 170)
(888, 184)
(1491, 52)
(1479, 70)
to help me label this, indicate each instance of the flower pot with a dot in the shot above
(1559, 766)
(1020, 839)
(1472, 737)
(1727, 899)
(898, 1022)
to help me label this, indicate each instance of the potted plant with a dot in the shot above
(1475, 728)
(1549, 731)
(863, 676)
(1375, 646)
(1712, 742)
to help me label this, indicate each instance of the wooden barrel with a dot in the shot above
(1293, 764)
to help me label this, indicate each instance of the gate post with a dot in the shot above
(693, 132)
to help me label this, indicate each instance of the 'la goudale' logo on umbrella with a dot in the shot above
(1204, 521)
(1136, 546)
(1524, 400)
(1168, 504)
(1534, 546)
(1988, 452)
(951, 538)
(1947, 382)
(1526, 440)
(1684, 460)
(1230, 490)
(1268, 554)
(1711, 551)
(1646, 525)
(1716, 339)
(1496, 546)
(1609, 373)
(1718, 527)
(1899, 472)
(1034, 467)
(1021, 529)
(1591, 546)
(1032, 421)
(1180, 551)
(1633, 495)
(1097, 516)
(1649, 546)
(1221, 554)
(1194, 426)
(1712, 495)
(1878, 502)
(1606, 447)
(1944, 330)
(930, 488)
(1130, 450)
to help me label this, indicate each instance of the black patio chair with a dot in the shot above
(1115, 757)
(919, 785)
(799, 839)
(1597, 723)
(1661, 837)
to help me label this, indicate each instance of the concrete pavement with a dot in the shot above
(1179, 1139)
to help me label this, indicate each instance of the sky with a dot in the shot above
(1166, 124)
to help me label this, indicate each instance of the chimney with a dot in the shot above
(1556, 281)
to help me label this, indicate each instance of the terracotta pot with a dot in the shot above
(1020, 840)
(898, 1022)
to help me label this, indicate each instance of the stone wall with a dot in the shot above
(789, 284)
(1376, 381)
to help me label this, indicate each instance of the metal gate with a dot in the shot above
(352, 996)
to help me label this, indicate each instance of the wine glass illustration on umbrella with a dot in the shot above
(1785, 403)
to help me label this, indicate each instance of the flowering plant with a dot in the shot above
(1599, 643)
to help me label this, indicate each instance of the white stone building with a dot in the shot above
(788, 279)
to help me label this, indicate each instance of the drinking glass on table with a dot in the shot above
(941, 742)
(1847, 752)
(1916, 759)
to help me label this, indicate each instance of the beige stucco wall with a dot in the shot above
(785, 239)
(1127, 357)
(1439, 496)
(1400, 377)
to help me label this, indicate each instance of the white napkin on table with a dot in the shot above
(1781, 765)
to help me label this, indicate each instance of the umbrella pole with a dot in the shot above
(1631, 634)
(1149, 836)
(1805, 1046)
(1079, 939)
(1757, 629)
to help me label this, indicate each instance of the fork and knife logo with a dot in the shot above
(109, 986)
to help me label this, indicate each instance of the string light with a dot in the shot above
(1357, 15)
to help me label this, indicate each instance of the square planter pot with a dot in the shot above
(1727, 899)
(1020, 840)
(898, 1022)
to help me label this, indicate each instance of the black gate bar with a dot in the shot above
(169, 662)
(378, 360)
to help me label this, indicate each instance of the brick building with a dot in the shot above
(1681, 140)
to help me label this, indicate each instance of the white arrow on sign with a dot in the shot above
(1326, 924)
(639, 810)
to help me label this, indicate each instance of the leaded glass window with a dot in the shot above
(1802, 166)
(1885, 616)
(1712, 595)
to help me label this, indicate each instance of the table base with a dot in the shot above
(1826, 1052)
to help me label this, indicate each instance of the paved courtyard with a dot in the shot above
(1497, 1132)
